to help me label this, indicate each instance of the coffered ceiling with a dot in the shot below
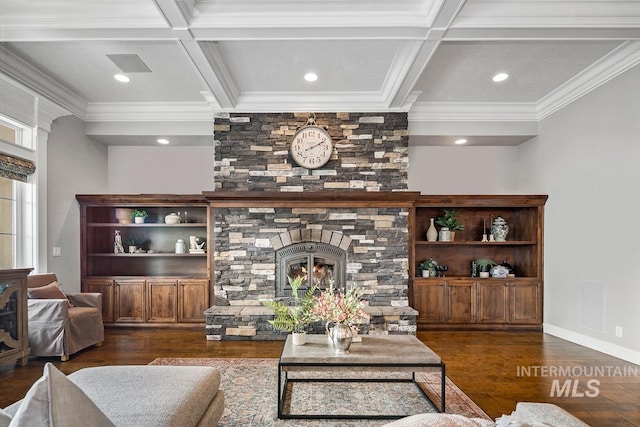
(432, 58)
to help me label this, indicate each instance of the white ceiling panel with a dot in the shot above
(274, 66)
(462, 71)
(85, 67)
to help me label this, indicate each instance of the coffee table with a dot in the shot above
(376, 353)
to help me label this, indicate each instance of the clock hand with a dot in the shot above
(313, 146)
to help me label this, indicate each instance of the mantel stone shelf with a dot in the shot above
(251, 322)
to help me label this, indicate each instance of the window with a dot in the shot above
(7, 223)
(8, 134)
(17, 199)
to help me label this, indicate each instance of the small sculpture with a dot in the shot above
(117, 244)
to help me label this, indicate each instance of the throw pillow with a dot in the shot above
(50, 291)
(5, 419)
(54, 400)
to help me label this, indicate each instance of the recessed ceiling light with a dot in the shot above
(163, 141)
(500, 77)
(311, 77)
(121, 78)
(460, 141)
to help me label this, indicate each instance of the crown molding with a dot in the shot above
(34, 79)
(48, 111)
(549, 14)
(148, 111)
(473, 111)
(321, 102)
(615, 63)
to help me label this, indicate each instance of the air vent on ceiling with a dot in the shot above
(129, 63)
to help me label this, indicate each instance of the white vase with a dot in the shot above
(425, 273)
(139, 220)
(432, 233)
(299, 338)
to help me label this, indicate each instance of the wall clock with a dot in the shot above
(311, 147)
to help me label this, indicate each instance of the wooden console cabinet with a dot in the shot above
(459, 301)
(155, 286)
(14, 323)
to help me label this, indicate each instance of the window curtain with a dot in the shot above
(16, 168)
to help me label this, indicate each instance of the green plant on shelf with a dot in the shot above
(450, 221)
(485, 264)
(134, 241)
(137, 213)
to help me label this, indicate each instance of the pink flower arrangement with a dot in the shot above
(339, 306)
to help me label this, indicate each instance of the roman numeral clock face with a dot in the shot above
(311, 147)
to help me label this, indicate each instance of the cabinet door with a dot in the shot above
(193, 300)
(493, 301)
(104, 287)
(526, 302)
(130, 301)
(162, 298)
(461, 301)
(428, 299)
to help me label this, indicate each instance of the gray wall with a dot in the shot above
(463, 170)
(586, 158)
(75, 164)
(161, 169)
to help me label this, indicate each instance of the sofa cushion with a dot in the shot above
(53, 400)
(5, 418)
(150, 395)
(50, 291)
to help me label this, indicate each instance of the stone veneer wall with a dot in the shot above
(370, 152)
(377, 259)
(252, 154)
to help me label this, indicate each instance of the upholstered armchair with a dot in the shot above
(61, 324)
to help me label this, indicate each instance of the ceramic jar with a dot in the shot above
(499, 229)
(172, 218)
(445, 235)
(181, 246)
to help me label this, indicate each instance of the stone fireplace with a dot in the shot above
(347, 221)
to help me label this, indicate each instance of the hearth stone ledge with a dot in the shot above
(251, 323)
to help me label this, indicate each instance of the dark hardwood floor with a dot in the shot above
(487, 366)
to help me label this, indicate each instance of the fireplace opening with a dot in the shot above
(317, 263)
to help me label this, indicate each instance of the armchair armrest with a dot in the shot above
(47, 310)
(86, 299)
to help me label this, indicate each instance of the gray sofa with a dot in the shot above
(527, 414)
(136, 396)
(61, 324)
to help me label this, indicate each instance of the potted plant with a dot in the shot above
(428, 267)
(450, 222)
(139, 216)
(133, 243)
(293, 318)
(484, 265)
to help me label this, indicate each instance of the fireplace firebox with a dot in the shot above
(318, 263)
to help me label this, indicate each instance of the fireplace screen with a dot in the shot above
(317, 263)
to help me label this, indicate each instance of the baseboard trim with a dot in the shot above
(593, 343)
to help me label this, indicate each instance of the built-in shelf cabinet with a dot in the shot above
(459, 301)
(157, 285)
